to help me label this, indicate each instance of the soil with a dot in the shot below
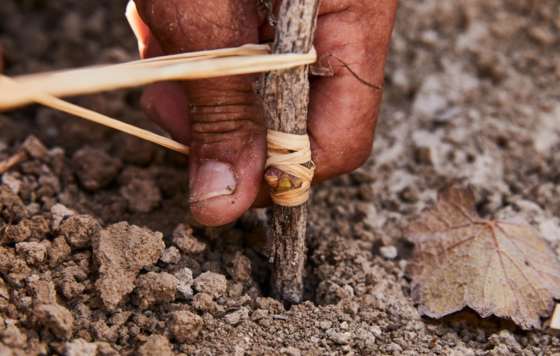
(99, 257)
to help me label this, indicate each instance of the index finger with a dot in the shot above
(352, 38)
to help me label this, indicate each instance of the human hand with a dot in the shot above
(222, 119)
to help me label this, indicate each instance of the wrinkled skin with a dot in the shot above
(222, 118)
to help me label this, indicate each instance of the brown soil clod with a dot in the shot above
(185, 326)
(95, 168)
(55, 318)
(121, 251)
(155, 288)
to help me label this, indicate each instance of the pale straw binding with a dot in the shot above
(90, 115)
(198, 65)
(289, 153)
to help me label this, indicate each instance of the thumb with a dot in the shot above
(227, 124)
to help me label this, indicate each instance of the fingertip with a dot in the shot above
(138, 27)
(220, 193)
(166, 104)
(342, 120)
(148, 46)
(344, 107)
(216, 211)
(222, 210)
(228, 137)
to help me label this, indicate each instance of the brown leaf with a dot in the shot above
(494, 267)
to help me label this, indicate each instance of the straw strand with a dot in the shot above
(190, 66)
(90, 115)
(46, 88)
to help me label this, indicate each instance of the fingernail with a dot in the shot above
(213, 179)
(134, 21)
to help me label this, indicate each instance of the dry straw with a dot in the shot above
(46, 88)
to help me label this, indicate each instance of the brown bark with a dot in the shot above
(286, 99)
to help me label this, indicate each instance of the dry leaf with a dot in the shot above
(494, 267)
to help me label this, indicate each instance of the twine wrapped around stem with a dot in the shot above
(289, 153)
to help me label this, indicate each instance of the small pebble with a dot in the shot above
(376, 330)
(389, 252)
(185, 281)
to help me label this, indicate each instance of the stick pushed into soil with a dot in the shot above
(286, 98)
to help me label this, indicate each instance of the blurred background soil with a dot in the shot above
(471, 94)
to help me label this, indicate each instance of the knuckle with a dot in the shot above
(226, 122)
(224, 110)
(225, 126)
(209, 23)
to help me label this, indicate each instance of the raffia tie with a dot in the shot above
(290, 153)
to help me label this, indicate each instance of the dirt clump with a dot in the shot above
(58, 251)
(184, 239)
(56, 319)
(142, 195)
(79, 230)
(171, 255)
(80, 347)
(121, 251)
(156, 345)
(211, 283)
(185, 326)
(205, 303)
(33, 253)
(95, 168)
(12, 208)
(153, 288)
